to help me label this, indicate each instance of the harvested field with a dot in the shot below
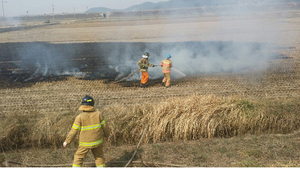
(242, 83)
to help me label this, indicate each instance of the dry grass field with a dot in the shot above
(245, 116)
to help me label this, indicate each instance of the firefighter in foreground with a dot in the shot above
(166, 70)
(143, 67)
(92, 128)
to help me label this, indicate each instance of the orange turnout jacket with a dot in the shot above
(91, 125)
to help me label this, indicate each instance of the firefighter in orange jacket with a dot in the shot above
(166, 70)
(143, 67)
(92, 128)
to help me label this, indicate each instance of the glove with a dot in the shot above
(64, 144)
(153, 65)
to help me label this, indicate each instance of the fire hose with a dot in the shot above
(153, 66)
(127, 76)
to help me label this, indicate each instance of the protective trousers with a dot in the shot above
(167, 79)
(82, 152)
(145, 77)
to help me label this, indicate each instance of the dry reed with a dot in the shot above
(176, 119)
(197, 117)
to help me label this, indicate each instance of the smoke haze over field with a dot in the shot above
(38, 61)
(237, 43)
(194, 58)
(247, 46)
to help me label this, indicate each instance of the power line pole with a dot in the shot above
(3, 13)
(87, 13)
(52, 13)
(74, 14)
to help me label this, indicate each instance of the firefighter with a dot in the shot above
(143, 67)
(92, 128)
(166, 70)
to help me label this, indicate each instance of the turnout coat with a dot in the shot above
(91, 126)
(144, 64)
(166, 66)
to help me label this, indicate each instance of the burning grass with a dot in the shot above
(176, 119)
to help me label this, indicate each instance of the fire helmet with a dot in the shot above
(168, 56)
(87, 100)
(146, 54)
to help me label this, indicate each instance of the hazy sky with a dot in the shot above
(40, 7)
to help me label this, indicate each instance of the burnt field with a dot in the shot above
(35, 61)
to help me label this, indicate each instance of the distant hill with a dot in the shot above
(100, 9)
(186, 4)
(147, 6)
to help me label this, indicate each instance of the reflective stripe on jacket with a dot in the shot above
(92, 128)
(166, 66)
(89, 144)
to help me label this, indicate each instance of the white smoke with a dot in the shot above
(193, 58)
(243, 39)
(13, 22)
(44, 61)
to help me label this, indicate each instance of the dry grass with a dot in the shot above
(36, 130)
(201, 117)
(177, 119)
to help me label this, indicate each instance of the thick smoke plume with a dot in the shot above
(192, 58)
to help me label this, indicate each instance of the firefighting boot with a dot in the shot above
(163, 83)
(142, 85)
